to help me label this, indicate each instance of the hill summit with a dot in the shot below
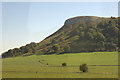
(78, 34)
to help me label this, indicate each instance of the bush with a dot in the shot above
(84, 68)
(38, 60)
(64, 64)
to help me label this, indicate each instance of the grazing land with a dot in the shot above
(100, 65)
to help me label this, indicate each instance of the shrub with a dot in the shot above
(64, 64)
(56, 48)
(84, 68)
(39, 61)
(67, 48)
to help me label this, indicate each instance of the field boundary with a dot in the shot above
(60, 79)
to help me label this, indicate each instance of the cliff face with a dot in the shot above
(80, 19)
(78, 34)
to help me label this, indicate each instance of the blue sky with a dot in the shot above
(25, 22)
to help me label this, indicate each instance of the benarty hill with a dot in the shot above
(78, 34)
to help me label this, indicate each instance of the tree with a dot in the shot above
(110, 46)
(82, 34)
(74, 38)
(56, 48)
(99, 37)
(83, 68)
(64, 64)
(53, 41)
(100, 25)
(44, 51)
(33, 44)
(89, 36)
(10, 52)
(67, 48)
(16, 51)
(61, 39)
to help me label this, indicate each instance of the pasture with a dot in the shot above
(100, 65)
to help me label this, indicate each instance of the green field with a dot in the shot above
(35, 66)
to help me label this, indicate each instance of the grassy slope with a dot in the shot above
(28, 66)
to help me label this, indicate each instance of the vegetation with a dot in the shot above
(56, 48)
(64, 64)
(84, 68)
(67, 49)
(78, 34)
(100, 64)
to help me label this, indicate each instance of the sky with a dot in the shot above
(25, 22)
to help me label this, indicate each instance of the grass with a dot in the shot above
(35, 66)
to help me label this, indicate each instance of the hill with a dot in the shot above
(78, 34)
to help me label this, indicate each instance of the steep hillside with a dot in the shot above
(78, 34)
